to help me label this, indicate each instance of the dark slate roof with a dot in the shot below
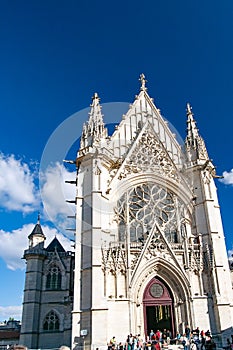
(37, 231)
(55, 244)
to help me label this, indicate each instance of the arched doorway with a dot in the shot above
(158, 307)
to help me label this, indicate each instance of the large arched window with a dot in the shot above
(53, 280)
(144, 204)
(51, 322)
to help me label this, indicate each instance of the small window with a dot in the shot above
(51, 322)
(53, 280)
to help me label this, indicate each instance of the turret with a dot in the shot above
(37, 236)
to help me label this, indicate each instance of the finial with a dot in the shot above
(95, 97)
(143, 81)
(38, 218)
(189, 109)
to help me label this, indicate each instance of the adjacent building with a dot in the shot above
(48, 293)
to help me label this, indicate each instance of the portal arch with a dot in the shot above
(175, 281)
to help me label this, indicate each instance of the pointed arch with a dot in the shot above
(158, 306)
(51, 322)
(175, 280)
(53, 277)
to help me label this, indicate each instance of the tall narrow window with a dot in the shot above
(53, 280)
(51, 322)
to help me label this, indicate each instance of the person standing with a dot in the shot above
(187, 331)
(151, 335)
(202, 339)
(193, 345)
(184, 341)
(113, 342)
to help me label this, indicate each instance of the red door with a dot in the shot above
(158, 307)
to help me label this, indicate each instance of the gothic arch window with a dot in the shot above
(53, 278)
(144, 204)
(51, 322)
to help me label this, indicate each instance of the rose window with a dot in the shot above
(142, 206)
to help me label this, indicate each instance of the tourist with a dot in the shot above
(164, 337)
(140, 342)
(209, 343)
(130, 342)
(202, 339)
(177, 338)
(193, 345)
(121, 346)
(158, 335)
(112, 343)
(187, 331)
(151, 335)
(184, 341)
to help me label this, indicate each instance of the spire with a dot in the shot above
(195, 145)
(143, 81)
(94, 129)
(36, 236)
(192, 131)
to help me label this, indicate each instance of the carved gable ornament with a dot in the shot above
(156, 246)
(148, 155)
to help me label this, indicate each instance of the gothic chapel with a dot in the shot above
(150, 250)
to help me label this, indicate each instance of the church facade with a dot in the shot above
(149, 248)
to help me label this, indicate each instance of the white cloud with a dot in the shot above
(227, 177)
(18, 191)
(10, 311)
(13, 244)
(230, 254)
(55, 192)
(17, 188)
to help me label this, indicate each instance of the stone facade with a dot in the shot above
(147, 217)
(48, 294)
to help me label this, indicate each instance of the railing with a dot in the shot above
(139, 245)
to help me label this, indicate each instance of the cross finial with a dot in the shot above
(143, 81)
(189, 109)
(38, 218)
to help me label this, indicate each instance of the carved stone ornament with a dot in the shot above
(156, 290)
(149, 155)
(143, 205)
(114, 259)
(138, 211)
(202, 152)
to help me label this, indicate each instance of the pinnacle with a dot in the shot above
(93, 129)
(189, 109)
(95, 99)
(143, 81)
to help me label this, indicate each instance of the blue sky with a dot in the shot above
(56, 54)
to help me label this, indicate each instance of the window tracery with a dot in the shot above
(53, 278)
(144, 204)
(51, 322)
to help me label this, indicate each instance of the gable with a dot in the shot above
(146, 156)
(55, 245)
(140, 112)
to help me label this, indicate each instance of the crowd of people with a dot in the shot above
(156, 340)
